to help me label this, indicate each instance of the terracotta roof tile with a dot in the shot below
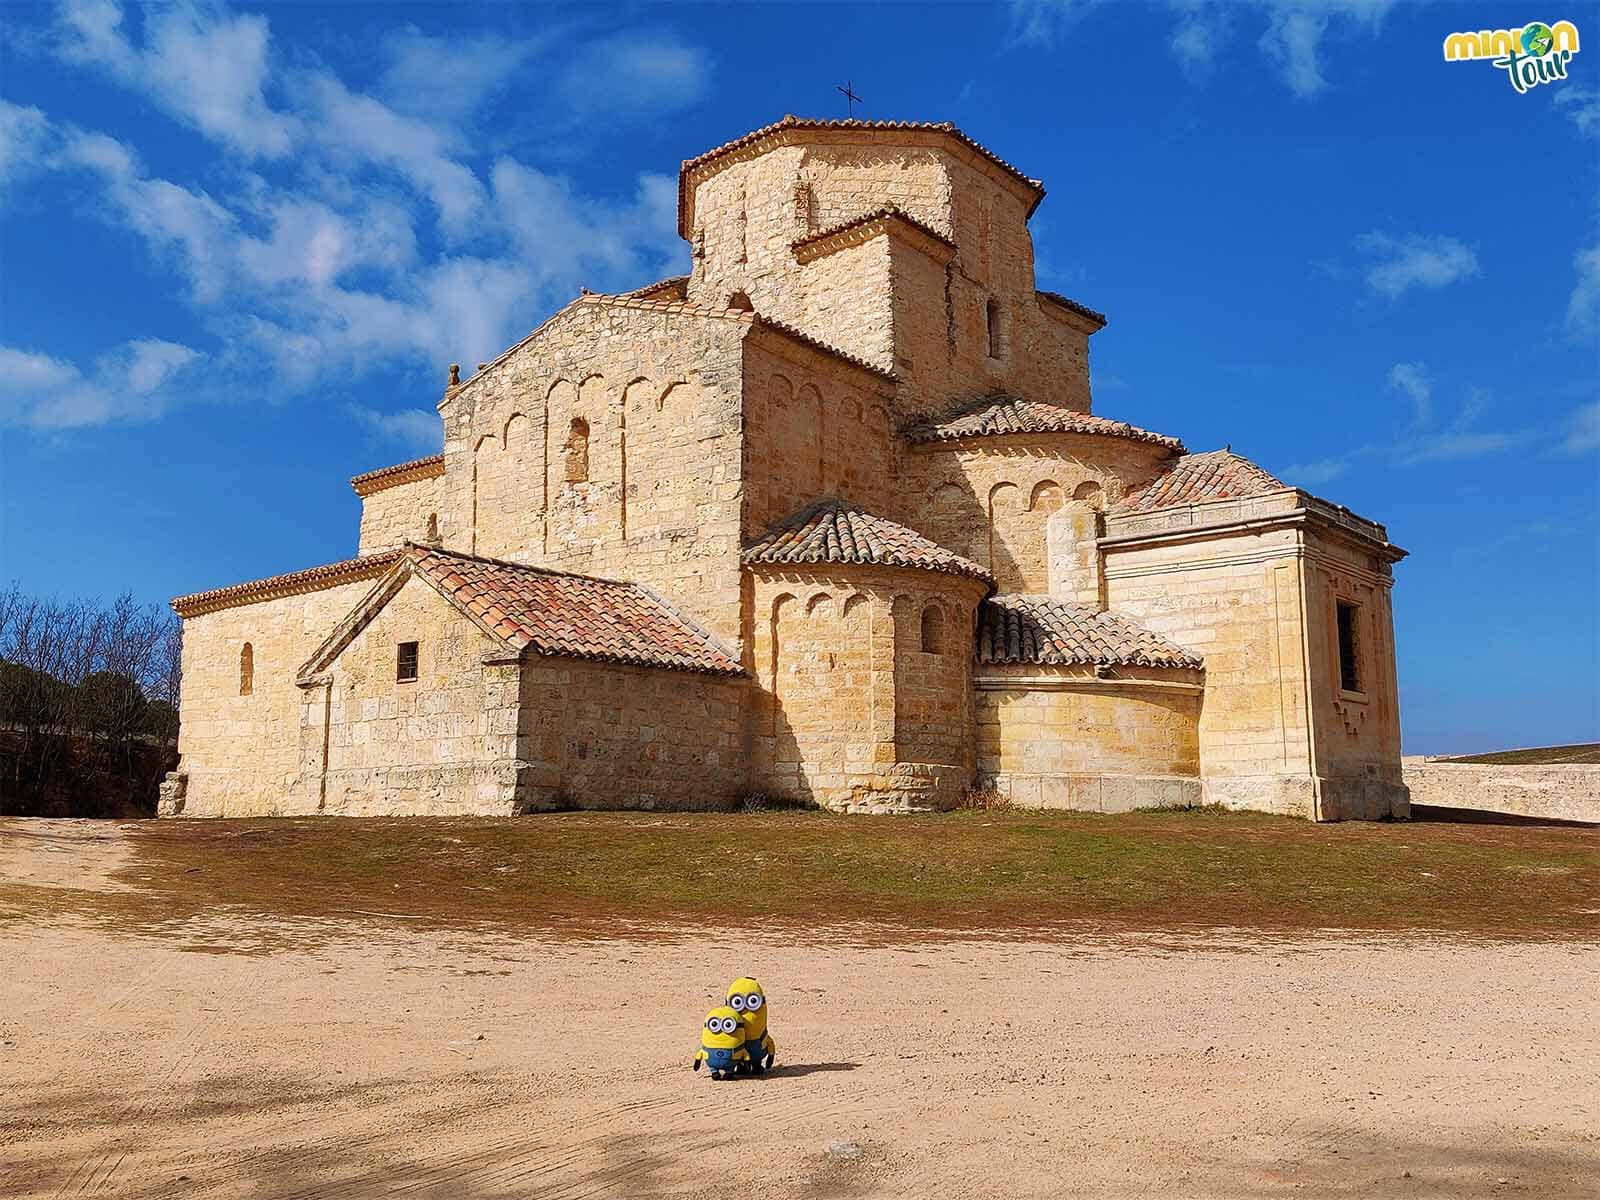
(1197, 478)
(831, 531)
(309, 580)
(793, 123)
(1019, 628)
(575, 616)
(1083, 310)
(673, 287)
(417, 468)
(996, 416)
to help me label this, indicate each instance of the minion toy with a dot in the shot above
(746, 998)
(721, 1044)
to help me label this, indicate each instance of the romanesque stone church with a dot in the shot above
(829, 519)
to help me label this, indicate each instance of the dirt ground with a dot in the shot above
(258, 1055)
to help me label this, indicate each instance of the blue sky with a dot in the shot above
(239, 245)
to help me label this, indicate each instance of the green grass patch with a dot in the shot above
(586, 872)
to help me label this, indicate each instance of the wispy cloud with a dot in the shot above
(1412, 380)
(1582, 105)
(1396, 264)
(348, 228)
(1583, 306)
(132, 383)
(1583, 429)
(207, 67)
(416, 428)
(1315, 474)
(1292, 40)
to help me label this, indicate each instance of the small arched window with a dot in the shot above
(740, 301)
(992, 320)
(247, 669)
(577, 451)
(932, 630)
(433, 527)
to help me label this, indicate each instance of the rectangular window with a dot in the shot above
(1349, 647)
(405, 663)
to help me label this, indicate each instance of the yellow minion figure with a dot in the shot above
(746, 998)
(721, 1044)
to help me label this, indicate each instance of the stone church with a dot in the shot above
(828, 519)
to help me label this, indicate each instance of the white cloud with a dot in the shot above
(1583, 307)
(1583, 429)
(1444, 446)
(375, 241)
(447, 79)
(1292, 40)
(1414, 260)
(1412, 379)
(349, 124)
(132, 383)
(205, 66)
(1582, 105)
(661, 72)
(23, 135)
(416, 428)
(1314, 474)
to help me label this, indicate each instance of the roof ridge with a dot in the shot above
(830, 529)
(207, 601)
(878, 214)
(999, 414)
(424, 548)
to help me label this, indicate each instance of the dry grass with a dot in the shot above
(589, 872)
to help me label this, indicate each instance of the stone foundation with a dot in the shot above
(1096, 793)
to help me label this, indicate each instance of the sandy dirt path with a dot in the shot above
(365, 1061)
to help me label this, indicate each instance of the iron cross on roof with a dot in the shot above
(850, 98)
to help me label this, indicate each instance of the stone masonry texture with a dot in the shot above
(828, 519)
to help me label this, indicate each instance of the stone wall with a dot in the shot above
(602, 735)
(1058, 737)
(1008, 503)
(1236, 600)
(814, 427)
(900, 303)
(1357, 733)
(401, 512)
(241, 752)
(1551, 792)
(444, 743)
(852, 712)
(608, 443)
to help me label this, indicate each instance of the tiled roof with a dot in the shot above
(1019, 628)
(995, 416)
(885, 214)
(1197, 478)
(794, 124)
(383, 477)
(1083, 310)
(831, 531)
(674, 287)
(311, 579)
(573, 616)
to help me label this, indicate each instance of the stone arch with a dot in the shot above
(1046, 498)
(934, 635)
(247, 669)
(1091, 493)
(575, 452)
(855, 605)
(485, 486)
(432, 534)
(1003, 497)
(808, 400)
(820, 606)
(740, 301)
(780, 603)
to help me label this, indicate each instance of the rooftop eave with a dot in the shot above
(1069, 312)
(1287, 506)
(794, 130)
